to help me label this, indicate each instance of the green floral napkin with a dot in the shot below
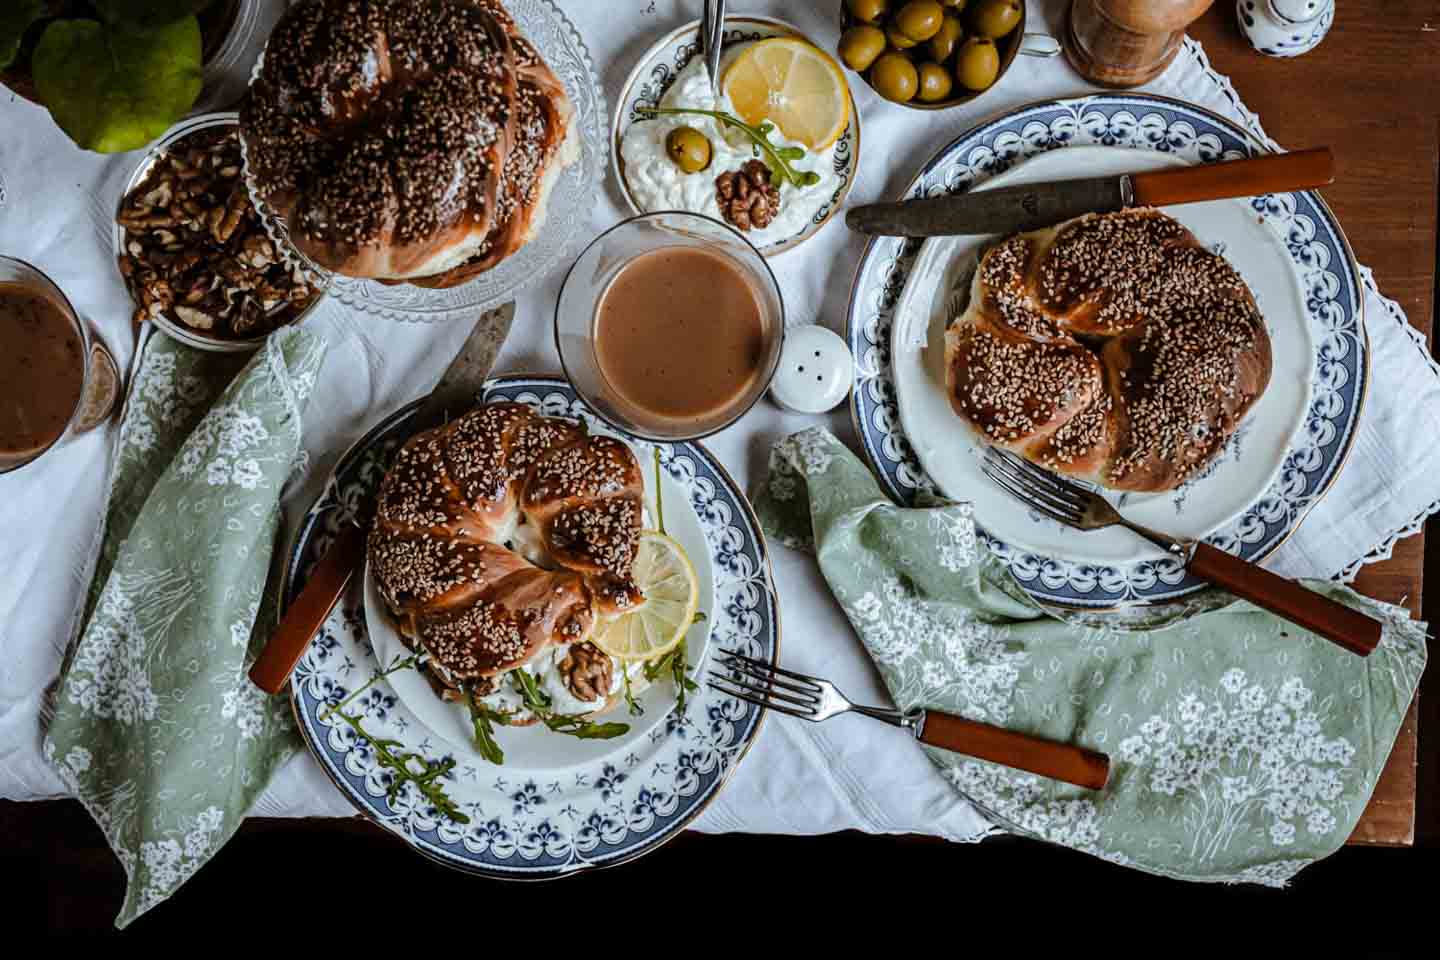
(156, 727)
(1242, 748)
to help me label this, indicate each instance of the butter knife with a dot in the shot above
(1030, 206)
(453, 394)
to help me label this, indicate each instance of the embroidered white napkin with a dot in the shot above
(800, 778)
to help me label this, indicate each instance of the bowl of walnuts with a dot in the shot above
(933, 54)
(193, 251)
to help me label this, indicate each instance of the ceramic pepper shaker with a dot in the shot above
(1285, 28)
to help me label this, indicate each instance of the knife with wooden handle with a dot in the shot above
(1030, 206)
(454, 393)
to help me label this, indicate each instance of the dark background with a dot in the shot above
(1371, 91)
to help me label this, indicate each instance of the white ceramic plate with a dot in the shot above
(951, 453)
(534, 748)
(662, 63)
(526, 820)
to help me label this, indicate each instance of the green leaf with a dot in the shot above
(16, 16)
(114, 89)
(482, 717)
(148, 14)
(600, 731)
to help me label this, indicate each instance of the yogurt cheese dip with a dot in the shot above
(656, 183)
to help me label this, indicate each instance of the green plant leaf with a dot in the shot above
(114, 88)
(15, 18)
(148, 14)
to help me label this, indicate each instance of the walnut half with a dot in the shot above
(587, 671)
(746, 196)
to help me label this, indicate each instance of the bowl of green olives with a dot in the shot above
(933, 54)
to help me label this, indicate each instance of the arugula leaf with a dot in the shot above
(482, 717)
(427, 778)
(114, 88)
(677, 664)
(538, 702)
(395, 667)
(16, 16)
(633, 705)
(780, 157)
(148, 14)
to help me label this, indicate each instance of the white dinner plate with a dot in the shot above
(535, 748)
(951, 452)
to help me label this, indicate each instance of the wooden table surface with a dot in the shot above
(1370, 93)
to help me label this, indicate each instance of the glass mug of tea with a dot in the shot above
(670, 325)
(56, 378)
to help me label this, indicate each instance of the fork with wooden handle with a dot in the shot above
(810, 698)
(1064, 502)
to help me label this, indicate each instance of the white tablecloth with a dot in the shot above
(799, 778)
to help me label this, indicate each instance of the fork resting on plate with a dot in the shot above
(801, 695)
(1064, 502)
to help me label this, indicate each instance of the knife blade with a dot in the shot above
(454, 392)
(1031, 206)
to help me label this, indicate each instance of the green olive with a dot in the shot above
(859, 46)
(956, 5)
(943, 44)
(977, 64)
(866, 11)
(894, 77)
(935, 83)
(996, 18)
(919, 19)
(897, 39)
(688, 148)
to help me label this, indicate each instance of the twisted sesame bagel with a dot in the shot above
(1112, 347)
(406, 140)
(503, 533)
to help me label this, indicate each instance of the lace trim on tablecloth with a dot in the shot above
(1385, 548)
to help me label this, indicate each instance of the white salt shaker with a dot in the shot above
(814, 372)
(1285, 28)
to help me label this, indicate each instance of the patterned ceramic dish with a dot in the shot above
(623, 799)
(656, 72)
(1277, 478)
(119, 235)
(571, 199)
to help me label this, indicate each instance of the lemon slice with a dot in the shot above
(795, 86)
(666, 577)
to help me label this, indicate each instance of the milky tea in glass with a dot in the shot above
(683, 336)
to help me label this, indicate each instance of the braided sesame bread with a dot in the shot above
(406, 140)
(503, 534)
(1113, 348)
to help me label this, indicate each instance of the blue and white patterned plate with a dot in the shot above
(656, 72)
(532, 824)
(1315, 304)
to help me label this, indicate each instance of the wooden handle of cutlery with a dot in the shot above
(309, 611)
(1059, 761)
(1276, 173)
(1320, 615)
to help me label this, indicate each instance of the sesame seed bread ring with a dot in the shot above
(1113, 348)
(462, 502)
(405, 140)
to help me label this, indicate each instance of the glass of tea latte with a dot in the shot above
(670, 325)
(56, 378)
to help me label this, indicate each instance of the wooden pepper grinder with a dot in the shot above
(1124, 43)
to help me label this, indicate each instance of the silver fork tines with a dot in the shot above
(788, 692)
(1060, 499)
(1040, 496)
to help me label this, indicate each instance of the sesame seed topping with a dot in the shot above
(1114, 346)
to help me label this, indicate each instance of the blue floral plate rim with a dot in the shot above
(1059, 583)
(428, 836)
